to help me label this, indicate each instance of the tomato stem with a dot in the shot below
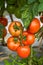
(21, 37)
(11, 17)
(31, 55)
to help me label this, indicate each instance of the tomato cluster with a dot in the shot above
(3, 24)
(21, 40)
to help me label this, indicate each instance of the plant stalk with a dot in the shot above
(31, 55)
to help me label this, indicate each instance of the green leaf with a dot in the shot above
(40, 1)
(1, 30)
(11, 1)
(1, 27)
(35, 9)
(17, 12)
(40, 8)
(10, 9)
(31, 1)
(40, 61)
(26, 15)
(6, 62)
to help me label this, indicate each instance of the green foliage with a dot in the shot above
(40, 1)
(11, 2)
(23, 9)
(1, 7)
(18, 61)
(26, 15)
(40, 8)
(31, 1)
(6, 62)
(35, 9)
(1, 30)
(10, 9)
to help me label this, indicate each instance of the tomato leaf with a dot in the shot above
(35, 9)
(40, 1)
(26, 15)
(31, 1)
(11, 1)
(40, 8)
(10, 9)
(6, 62)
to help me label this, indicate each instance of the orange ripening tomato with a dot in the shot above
(23, 51)
(28, 38)
(13, 43)
(15, 28)
(34, 26)
(3, 21)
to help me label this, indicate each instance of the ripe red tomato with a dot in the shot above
(13, 43)
(15, 28)
(28, 38)
(23, 51)
(3, 21)
(34, 26)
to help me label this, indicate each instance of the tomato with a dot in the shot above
(13, 43)
(28, 38)
(23, 51)
(24, 40)
(4, 32)
(34, 26)
(15, 28)
(3, 21)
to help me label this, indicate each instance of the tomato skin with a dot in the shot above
(23, 51)
(3, 21)
(30, 38)
(34, 26)
(12, 30)
(12, 45)
(25, 42)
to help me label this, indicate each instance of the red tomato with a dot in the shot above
(13, 43)
(3, 21)
(23, 51)
(28, 38)
(34, 26)
(15, 28)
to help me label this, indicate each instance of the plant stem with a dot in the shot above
(11, 17)
(31, 55)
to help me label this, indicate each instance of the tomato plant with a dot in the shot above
(15, 28)
(13, 43)
(3, 21)
(28, 38)
(34, 26)
(26, 10)
(23, 51)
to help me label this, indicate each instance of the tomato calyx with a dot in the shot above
(16, 27)
(16, 39)
(24, 37)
